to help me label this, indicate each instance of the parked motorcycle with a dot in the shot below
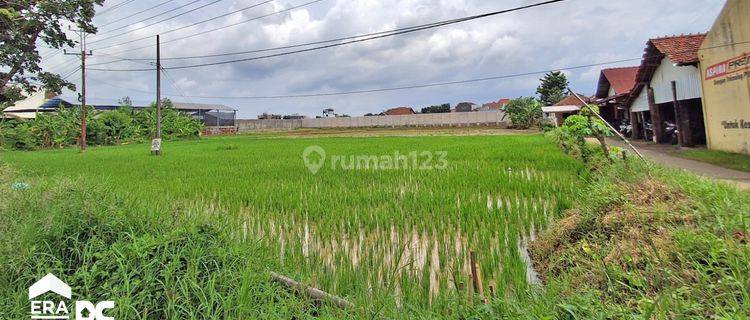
(626, 129)
(648, 129)
(671, 132)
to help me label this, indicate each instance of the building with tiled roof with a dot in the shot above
(568, 106)
(400, 111)
(668, 90)
(613, 90)
(616, 81)
(494, 106)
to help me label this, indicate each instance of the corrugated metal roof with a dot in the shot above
(200, 106)
(559, 109)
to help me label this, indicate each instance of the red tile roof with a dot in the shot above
(400, 111)
(622, 80)
(680, 49)
(495, 105)
(571, 100)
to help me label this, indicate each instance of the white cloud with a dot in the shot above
(570, 33)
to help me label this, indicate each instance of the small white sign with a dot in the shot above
(156, 145)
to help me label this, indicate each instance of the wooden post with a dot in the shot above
(682, 120)
(476, 278)
(677, 115)
(315, 294)
(635, 125)
(656, 120)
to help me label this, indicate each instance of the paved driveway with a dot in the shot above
(665, 155)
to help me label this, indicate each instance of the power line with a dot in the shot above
(286, 47)
(404, 31)
(437, 84)
(188, 26)
(174, 85)
(157, 22)
(119, 59)
(121, 4)
(135, 14)
(221, 28)
(419, 86)
(149, 18)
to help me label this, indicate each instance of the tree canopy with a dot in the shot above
(553, 87)
(524, 112)
(23, 25)
(443, 108)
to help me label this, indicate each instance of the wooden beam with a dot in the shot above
(314, 293)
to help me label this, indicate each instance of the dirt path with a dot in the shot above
(664, 155)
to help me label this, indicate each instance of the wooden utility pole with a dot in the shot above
(83, 54)
(156, 143)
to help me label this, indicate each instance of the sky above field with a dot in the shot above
(556, 36)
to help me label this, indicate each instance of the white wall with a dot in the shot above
(414, 120)
(641, 102)
(688, 80)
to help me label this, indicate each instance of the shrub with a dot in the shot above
(524, 112)
(18, 136)
(63, 127)
(571, 136)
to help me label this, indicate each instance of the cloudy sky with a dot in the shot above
(556, 36)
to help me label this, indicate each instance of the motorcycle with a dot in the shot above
(648, 129)
(626, 129)
(671, 132)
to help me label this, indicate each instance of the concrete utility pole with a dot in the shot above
(83, 54)
(156, 143)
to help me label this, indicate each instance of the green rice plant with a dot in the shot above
(396, 241)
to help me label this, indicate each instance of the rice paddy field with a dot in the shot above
(399, 236)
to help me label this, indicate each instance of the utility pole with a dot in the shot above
(82, 35)
(156, 143)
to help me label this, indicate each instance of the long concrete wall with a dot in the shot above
(414, 120)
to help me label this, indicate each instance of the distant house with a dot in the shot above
(562, 109)
(613, 92)
(465, 107)
(210, 114)
(41, 102)
(400, 111)
(494, 106)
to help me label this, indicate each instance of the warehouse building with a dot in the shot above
(725, 74)
(666, 104)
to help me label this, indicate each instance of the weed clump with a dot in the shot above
(645, 245)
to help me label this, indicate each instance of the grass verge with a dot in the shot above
(729, 160)
(650, 242)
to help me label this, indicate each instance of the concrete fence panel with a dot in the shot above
(439, 119)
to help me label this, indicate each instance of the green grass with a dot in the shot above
(729, 160)
(650, 242)
(194, 233)
(394, 242)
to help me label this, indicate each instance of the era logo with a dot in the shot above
(46, 309)
(95, 312)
